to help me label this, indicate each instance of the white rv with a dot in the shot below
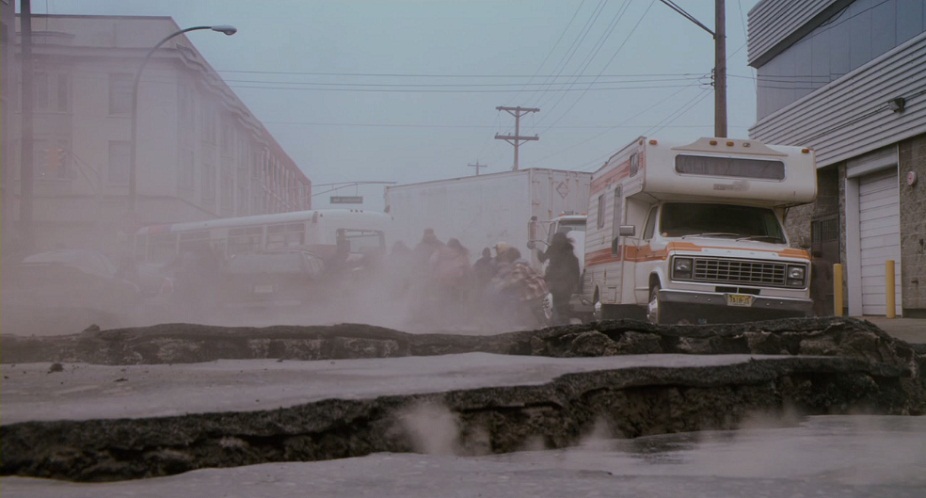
(693, 232)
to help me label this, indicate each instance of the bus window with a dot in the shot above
(285, 235)
(192, 240)
(244, 240)
(363, 241)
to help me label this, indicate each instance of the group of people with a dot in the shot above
(502, 291)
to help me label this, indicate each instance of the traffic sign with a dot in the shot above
(347, 199)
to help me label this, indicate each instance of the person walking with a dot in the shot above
(562, 275)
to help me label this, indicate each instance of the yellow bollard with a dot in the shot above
(837, 289)
(889, 289)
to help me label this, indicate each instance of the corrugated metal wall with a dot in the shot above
(770, 23)
(851, 116)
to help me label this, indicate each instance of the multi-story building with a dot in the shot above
(200, 152)
(848, 79)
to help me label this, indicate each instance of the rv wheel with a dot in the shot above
(653, 307)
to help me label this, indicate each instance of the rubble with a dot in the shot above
(804, 366)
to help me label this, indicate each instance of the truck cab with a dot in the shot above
(716, 262)
(541, 234)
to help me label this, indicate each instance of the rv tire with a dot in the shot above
(655, 313)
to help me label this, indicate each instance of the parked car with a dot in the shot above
(70, 288)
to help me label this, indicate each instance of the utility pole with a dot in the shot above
(26, 171)
(720, 69)
(719, 74)
(516, 139)
(477, 166)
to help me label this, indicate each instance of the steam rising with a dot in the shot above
(433, 429)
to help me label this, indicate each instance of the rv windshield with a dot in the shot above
(681, 219)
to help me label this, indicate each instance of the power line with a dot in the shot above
(621, 46)
(564, 61)
(460, 90)
(591, 56)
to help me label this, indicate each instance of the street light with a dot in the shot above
(133, 167)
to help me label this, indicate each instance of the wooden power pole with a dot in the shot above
(26, 155)
(516, 139)
(477, 166)
(720, 70)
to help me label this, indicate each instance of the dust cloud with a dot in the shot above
(391, 291)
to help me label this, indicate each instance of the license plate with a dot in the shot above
(739, 300)
(263, 289)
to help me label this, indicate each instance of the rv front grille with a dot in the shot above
(737, 271)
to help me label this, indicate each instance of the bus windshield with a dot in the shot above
(684, 219)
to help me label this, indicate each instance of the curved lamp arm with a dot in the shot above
(221, 28)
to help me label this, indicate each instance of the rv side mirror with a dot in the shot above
(531, 232)
(627, 231)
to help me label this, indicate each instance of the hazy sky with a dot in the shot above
(407, 90)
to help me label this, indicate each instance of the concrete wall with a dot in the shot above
(912, 155)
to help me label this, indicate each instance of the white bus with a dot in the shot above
(321, 232)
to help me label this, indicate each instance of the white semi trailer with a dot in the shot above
(515, 207)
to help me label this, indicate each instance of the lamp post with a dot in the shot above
(133, 167)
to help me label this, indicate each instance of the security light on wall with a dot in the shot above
(897, 104)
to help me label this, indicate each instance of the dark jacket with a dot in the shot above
(562, 274)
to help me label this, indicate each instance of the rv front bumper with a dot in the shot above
(702, 305)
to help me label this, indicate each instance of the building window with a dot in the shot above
(208, 183)
(601, 211)
(227, 193)
(208, 119)
(61, 103)
(186, 177)
(120, 93)
(119, 158)
(186, 114)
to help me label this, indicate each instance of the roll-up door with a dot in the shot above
(879, 227)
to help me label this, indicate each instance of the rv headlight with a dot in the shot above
(796, 276)
(681, 267)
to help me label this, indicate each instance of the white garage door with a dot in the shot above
(879, 226)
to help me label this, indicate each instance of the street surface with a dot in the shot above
(848, 456)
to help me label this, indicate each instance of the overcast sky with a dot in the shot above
(407, 90)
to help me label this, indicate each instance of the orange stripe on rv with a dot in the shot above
(646, 253)
(618, 173)
(603, 256)
(794, 253)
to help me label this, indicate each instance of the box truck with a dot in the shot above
(515, 207)
(693, 232)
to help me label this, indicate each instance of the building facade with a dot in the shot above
(847, 78)
(200, 153)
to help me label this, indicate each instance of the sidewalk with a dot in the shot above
(912, 330)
